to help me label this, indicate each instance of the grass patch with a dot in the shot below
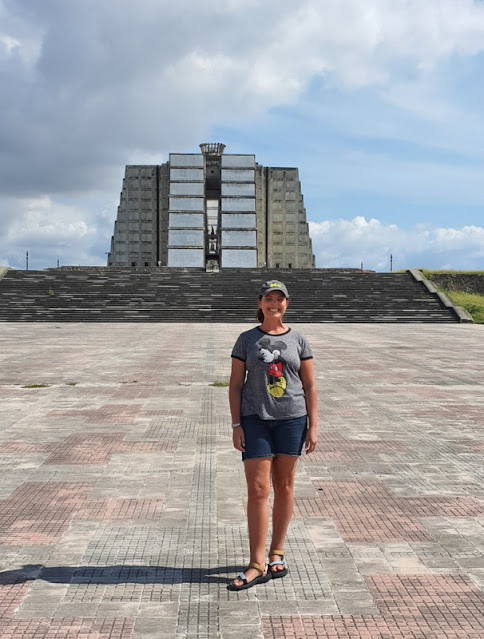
(429, 274)
(71, 383)
(219, 384)
(472, 302)
(36, 386)
(457, 289)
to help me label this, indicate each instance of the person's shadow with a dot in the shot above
(117, 574)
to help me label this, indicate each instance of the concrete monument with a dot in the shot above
(211, 210)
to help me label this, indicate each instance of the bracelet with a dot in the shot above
(235, 425)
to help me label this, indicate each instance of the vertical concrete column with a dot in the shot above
(238, 204)
(186, 237)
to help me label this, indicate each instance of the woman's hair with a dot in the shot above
(260, 314)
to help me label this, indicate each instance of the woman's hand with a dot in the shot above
(306, 373)
(238, 437)
(311, 439)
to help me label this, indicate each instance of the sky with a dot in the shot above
(378, 103)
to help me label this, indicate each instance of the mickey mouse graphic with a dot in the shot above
(270, 353)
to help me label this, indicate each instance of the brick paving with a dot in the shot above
(122, 501)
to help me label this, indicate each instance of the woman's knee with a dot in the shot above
(283, 474)
(284, 487)
(258, 477)
(258, 490)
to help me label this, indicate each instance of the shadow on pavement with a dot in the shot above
(117, 574)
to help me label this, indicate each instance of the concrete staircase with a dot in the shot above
(169, 295)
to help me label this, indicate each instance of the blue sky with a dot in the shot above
(379, 105)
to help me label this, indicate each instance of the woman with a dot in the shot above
(272, 395)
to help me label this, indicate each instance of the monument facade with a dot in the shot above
(211, 210)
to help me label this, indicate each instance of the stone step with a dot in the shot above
(168, 295)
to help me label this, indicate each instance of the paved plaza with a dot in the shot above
(122, 501)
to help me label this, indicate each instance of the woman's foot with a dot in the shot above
(255, 574)
(277, 564)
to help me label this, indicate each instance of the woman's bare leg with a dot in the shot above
(283, 473)
(258, 475)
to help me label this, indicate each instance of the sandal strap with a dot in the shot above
(277, 563)
(279, 553)
(257, 566)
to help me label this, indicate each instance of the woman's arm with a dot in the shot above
(306, 373)
(237, 379)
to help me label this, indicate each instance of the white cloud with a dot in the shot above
(8, 44)
(152, 74)
(51, 230)
(42, 219)
(90, 86)
(360, 42)
(348, 243)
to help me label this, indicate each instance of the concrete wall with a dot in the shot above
(466, 282)
(134, 238)
(290, 245)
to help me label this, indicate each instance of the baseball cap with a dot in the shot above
(273, 285)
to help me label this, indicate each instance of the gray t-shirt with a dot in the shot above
(273, 388)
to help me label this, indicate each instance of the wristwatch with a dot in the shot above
(235, 425)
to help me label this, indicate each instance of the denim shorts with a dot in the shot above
(271, 437)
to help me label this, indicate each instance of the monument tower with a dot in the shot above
(211, 210)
